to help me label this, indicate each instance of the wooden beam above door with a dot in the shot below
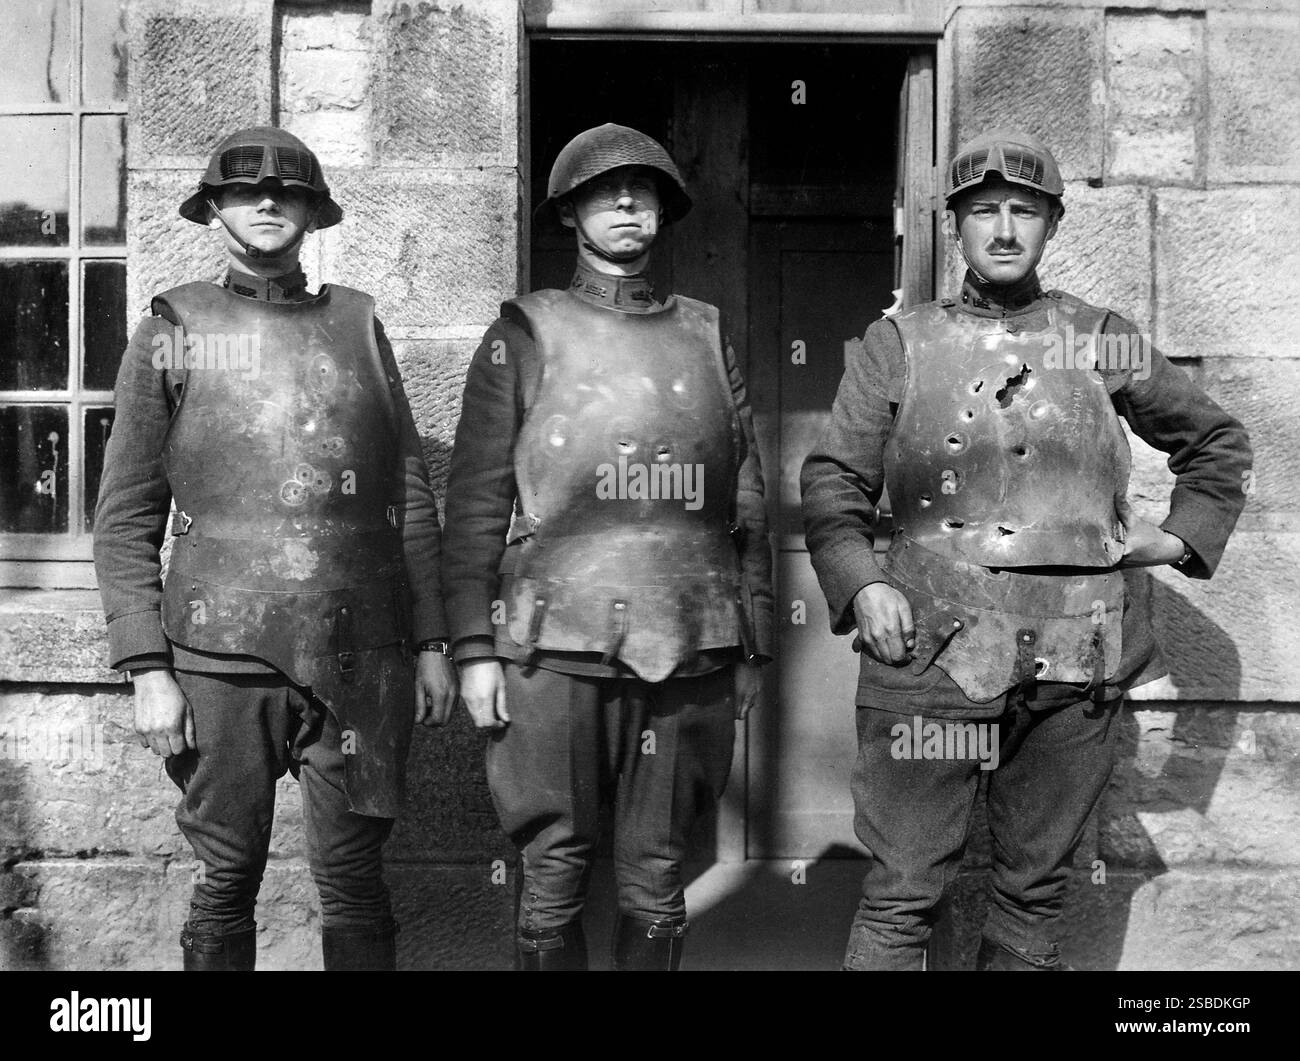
(899, 21)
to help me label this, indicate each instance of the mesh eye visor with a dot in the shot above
(251, 156)
(254, 163)
(1016, 163)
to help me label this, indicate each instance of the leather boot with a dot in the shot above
(359, 948)
(995, 958)
(235, 952)
(560, 951)
(648, 946)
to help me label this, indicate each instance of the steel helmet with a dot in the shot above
(1018, 157)
(256, 154)
(607, 147)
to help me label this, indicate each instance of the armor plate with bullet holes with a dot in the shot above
(285, 477)
(1003, 453)
(1005, 456)
(604, 566)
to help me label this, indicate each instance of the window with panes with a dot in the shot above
(62, 274)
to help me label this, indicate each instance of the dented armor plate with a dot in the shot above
(1006, 451)
(625, 468)
(282, 461)
(1006, 456)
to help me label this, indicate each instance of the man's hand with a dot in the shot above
(749, 682)
(163, 719)
(884, 623)
(483, 688)
(435, 688)
(1145, 544)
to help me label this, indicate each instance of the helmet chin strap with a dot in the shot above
(248, 249)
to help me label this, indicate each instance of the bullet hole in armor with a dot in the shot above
(1040, 667)
(305, 474)
(968, 414)
(977, 386)
(956, 442)
(1038, 410)
(1020, 450)
(952, 523)
(1005, 530)
(293, 492)
(626, 445)
(662, 453)
(1006, 395)
(926, 500)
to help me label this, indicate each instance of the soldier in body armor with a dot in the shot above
(304, 568)
(607, 564)
(993, 420)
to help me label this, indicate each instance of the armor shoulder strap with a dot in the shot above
(705, 310)
(534, 306)
(1083, 315)
(175, 302)
(350, 297)
(913, 320)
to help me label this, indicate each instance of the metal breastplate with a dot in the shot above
(282, 465)
(625, 468)
(1006, 455)
(1002, 453)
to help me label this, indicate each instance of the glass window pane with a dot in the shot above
(103, 179)
(37, 46)
(34, 472)
(103, 51)
(98, 426)
(33, 325)
(34, 179)
(103, 304)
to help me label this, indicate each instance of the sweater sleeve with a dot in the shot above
(481, 486)
(843, 476)
(1209, 450)
(421, 534)
(134, 498)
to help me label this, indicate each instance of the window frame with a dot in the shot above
(63, 559)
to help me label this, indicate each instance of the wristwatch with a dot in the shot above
(440, 647)
(1181, 562)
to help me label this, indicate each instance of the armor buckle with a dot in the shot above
(343, 642)
(617, 631)
(180, 523)
(1026, 664)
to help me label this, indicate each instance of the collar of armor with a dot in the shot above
(1000, 300)
(632, 294)
(291, 287)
